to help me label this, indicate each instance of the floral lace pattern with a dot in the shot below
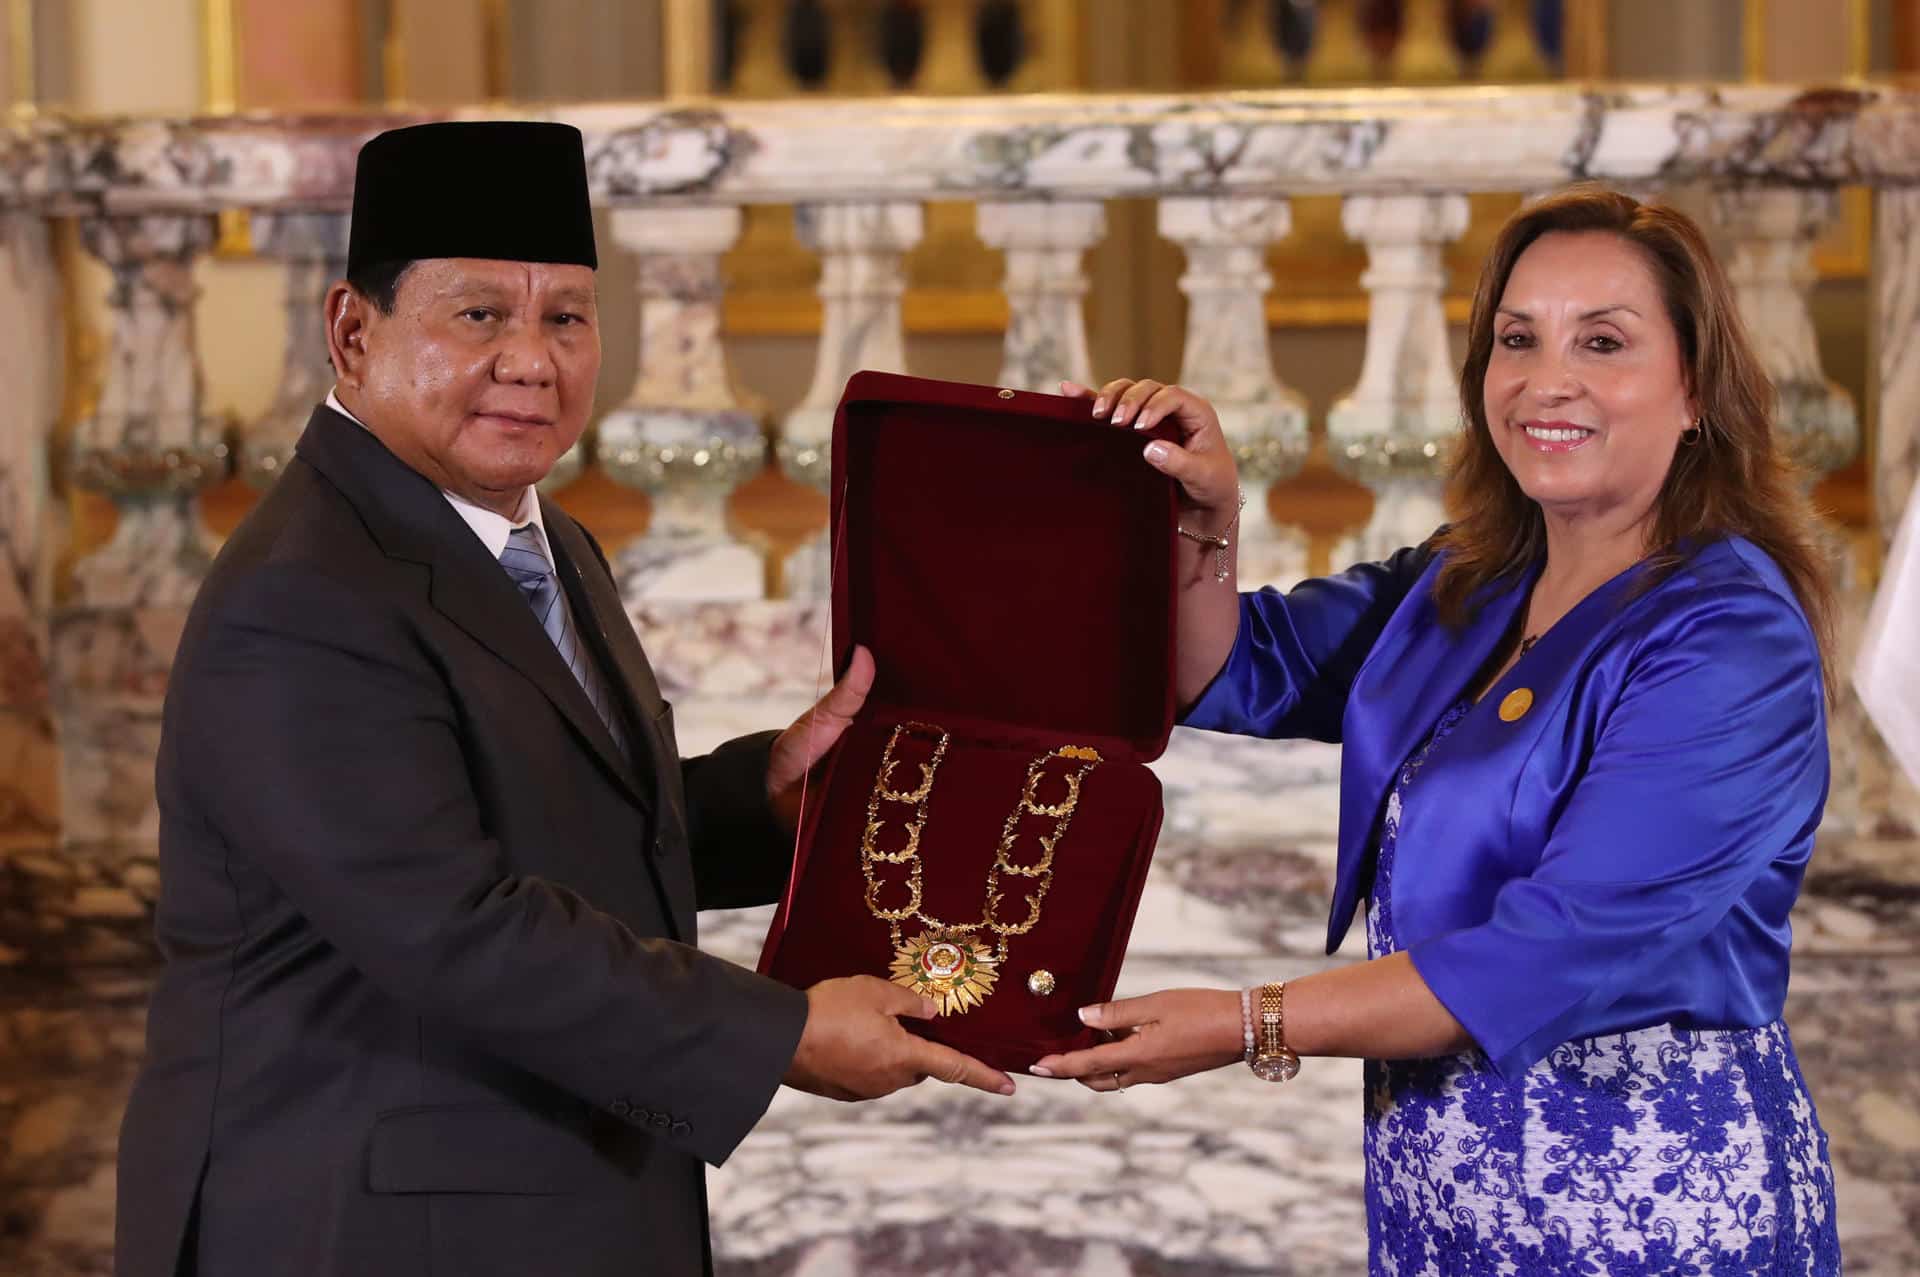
(1658, 1151)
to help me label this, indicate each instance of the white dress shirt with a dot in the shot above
(492, 529)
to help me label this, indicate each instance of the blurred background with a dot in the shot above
(995, 191)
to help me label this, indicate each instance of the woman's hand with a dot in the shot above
(1163, 1036)
(1201, 461)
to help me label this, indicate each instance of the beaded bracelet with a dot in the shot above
(1246, 1022)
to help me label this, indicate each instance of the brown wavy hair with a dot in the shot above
(1735, 481)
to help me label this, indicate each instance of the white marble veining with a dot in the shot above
(685, 433)
(1227, 358)
(861, 283)
(1302, 140)
(1896, 346)
(1771, 270)
(313, 247)
(30, 366)
(1045, 244)
(1392, 428)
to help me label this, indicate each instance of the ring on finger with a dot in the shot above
(1119, 1083)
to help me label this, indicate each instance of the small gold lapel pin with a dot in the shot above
(1515, 704)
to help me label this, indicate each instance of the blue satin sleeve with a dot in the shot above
(1687, 835)
(1296, 654)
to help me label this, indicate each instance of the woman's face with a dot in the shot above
(1585, 393)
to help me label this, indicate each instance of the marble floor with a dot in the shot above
(1218, 1175)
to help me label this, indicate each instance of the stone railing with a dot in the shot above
(1765, 161)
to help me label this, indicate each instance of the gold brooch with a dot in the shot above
(1516, 704)
(955, 970)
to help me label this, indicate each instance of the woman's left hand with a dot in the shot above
(1162, 1036)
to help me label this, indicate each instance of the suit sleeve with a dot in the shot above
(1296, 654)
(1710, 770)
(328, 751)
(741, 854)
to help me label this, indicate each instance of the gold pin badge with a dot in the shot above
(1040, 983)
(1516, 704)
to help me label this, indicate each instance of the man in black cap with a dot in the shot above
(429, 857)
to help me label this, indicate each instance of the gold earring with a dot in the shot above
(1691, 435)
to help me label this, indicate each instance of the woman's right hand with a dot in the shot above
(1201, 462)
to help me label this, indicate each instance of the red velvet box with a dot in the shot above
(1009, 562)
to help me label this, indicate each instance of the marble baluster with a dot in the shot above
(314, 248)
(150, 448)
(1896, 368)
(1390, 432)
(1514, 56)
(950, 62)
(30, 369)
(1425, 52)
(760, 67)
(862, 248)
(1249, 57)
(1228, 359)
(684, 435)
(1045, 244)
(1771, 232)
(1340, 55)
(1889, 801)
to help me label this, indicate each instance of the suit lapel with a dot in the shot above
(1417, 670)
(411, 520)
(604, 626)
(609, 633)
(603, 613)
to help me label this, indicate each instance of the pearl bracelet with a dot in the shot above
(1246, 1022)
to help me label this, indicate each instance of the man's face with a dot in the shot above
(480, 378)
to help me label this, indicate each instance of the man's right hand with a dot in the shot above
(854, 1047)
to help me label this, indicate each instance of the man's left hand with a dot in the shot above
(812, 735)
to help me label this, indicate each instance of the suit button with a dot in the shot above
(659, 845)
(619, 1108)
(662, 1120)
(681, 1128)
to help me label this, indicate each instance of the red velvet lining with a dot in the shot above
(1007, 559)
(1009, 562)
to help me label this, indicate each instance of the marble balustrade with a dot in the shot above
(86, 649)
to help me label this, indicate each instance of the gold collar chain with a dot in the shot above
(949, 962)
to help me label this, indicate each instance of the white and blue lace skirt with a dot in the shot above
(1642, 1154)
(1658, 1151)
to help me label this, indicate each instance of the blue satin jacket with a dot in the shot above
(1625, 852)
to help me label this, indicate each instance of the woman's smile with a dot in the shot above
(1555, 436)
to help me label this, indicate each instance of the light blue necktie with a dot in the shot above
(525, 560)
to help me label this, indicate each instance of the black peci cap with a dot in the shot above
(505, 189)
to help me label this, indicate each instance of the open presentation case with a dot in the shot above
(1009, 562)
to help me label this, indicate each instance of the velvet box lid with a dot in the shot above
(1009, 561)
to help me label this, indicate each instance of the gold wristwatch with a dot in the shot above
(1273, 1059)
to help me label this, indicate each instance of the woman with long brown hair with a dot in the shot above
(1583, 758)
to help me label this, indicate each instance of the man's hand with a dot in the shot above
(853, 1047)
(812, 735)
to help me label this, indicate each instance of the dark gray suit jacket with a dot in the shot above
(430, 1003)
